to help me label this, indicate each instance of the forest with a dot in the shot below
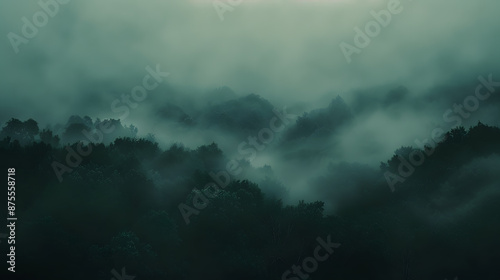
(250, 140)
(128, 203)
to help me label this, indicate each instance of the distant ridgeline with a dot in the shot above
(118, 207)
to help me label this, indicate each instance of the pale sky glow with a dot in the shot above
(270, 48)
(371, 127)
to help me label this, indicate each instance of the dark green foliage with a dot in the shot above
(119, 208)
(24, 132)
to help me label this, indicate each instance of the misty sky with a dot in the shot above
(288, 52)
(263, 119)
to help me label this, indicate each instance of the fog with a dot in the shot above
(245, 133)
(428, 58)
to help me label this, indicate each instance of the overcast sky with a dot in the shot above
(93, 51)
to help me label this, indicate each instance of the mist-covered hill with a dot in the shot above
(250, 139)
(183, 213)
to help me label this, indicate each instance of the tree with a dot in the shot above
(24, 132)
(47, 137)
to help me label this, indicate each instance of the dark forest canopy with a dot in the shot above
(120, 208)
(250, 139)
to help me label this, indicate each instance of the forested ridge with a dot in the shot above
(119, 207)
